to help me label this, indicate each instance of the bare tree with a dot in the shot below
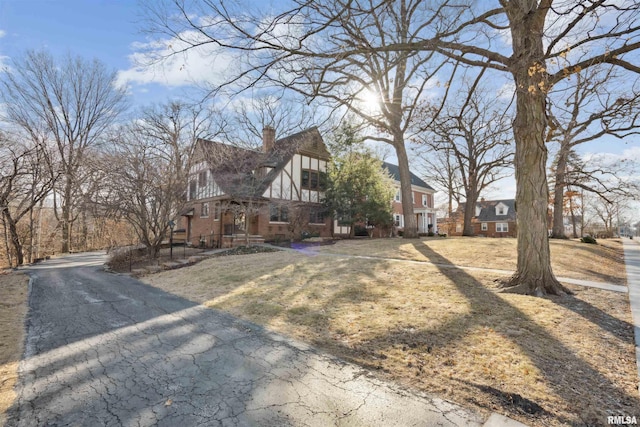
(25, 180)
(596, 103)
(148, 164)
(287, 115)
(71, 101)
(442, 170)
(606, 214)
(477, 136)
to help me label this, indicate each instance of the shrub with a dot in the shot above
(360, 230)
(588, 239)
(430, 234)
(308, 234)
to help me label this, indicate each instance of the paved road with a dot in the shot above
(105, 349)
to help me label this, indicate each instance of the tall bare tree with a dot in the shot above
(26, 178)
(441, 169)
(72, 101)
(597, 102)
(147, 162)
(477, 135)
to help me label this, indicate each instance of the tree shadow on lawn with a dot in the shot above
(572, 369)
(553, 359)
(610, 253)
(619, 328)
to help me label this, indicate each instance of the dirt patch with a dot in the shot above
(13, 309)
(544, 361)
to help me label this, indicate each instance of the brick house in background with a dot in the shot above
(236, 194)
(422, 195)
(493, 218)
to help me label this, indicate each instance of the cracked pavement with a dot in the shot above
(106, 349)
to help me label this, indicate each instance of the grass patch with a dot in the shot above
(13, 309)
(602, 262)
(544, 361)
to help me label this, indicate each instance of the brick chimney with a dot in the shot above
(268, 138)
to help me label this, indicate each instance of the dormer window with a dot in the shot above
(501, 209)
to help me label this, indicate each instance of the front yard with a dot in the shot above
(447, 331)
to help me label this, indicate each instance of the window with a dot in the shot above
(502, 227)
(424, 200)
(413, 198)
(323, 181)
(483, 226)
(501, 209)
(202, 179)
(216, 212)
(204, 210)
(313, 180)
(397, 198)
(192, 190)
(316, 216)
(397, 220)
(278, 213)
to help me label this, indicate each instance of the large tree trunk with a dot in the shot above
(573, 218)
(469, 212)
(410, 223)
(66, 217)
(533, 275)
(15, 238)
(558, 196)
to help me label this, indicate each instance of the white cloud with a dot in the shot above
(2, 33)
(632, 153)
(171, 62)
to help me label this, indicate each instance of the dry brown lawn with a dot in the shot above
(13, 309)
(603, 262)
(544, 361)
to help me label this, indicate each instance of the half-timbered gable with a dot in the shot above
(267, 190)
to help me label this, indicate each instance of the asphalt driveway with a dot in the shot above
(105, 349)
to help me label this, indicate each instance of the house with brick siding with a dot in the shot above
(493, 218)
(238, 195)
(422, 196)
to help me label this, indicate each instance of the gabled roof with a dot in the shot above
(488, 210)
(237, 170)
(394, 171)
